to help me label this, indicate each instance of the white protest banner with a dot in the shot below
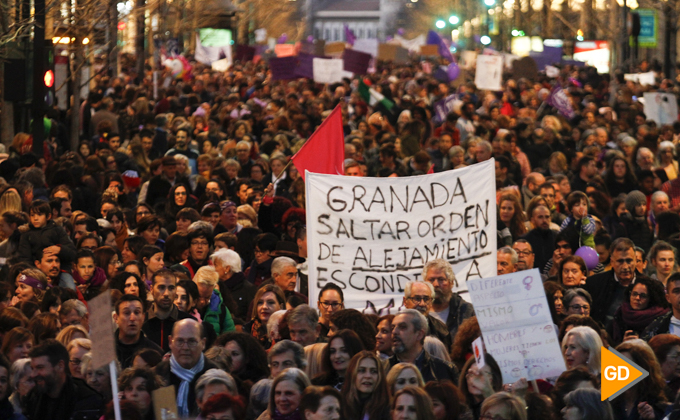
(518, 331)
(642, 78)
(101, 331)
(489, 72)
(328, 70)
(260, 35)
(370, 236)
(661, 107)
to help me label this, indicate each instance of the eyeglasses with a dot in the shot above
(334, 305)
(424, 299)
(579, 307)
(199, 243)
(191, 343)
(640, 295)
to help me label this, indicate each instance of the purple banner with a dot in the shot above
(244, 53)
(443, 107)
(283, 68)
(305, 65)
(356, 61)
(560, 101)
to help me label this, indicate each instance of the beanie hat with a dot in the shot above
(634, 199)
(131, 179)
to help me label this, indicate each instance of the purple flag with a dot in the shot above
(244, 53)
(443, 107)
(349, 35)
(433, 38)
(305, 65)
(356, 61)
(560, 101)
(283, 68)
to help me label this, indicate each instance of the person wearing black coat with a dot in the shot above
(57, 395)
(34, 240)
(608, 289)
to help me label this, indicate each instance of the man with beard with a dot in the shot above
(50, 264)
(541, 237)
(182, 140)
(447, 306)
(409, 329)
(129, 317)
(200, 240)
(162, 315)
(419, 295)
(57, 395)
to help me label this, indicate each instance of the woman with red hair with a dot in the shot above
(223, 406)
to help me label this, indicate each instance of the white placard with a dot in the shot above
(369, 46)
(645, 79)
(661, 107)
(328, 70)
(518, 331)
(489, 72)
(370, 236)
(478, 352)
(260, 35)
(467, 60)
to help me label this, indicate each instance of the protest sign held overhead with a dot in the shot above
(518, 331)
(370, 236)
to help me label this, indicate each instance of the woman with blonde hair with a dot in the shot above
(210, 304)
(402, 375)
(10, 200)
(581, 347)
(247, 216)
(412, 400)
(71, 333)
(31, 286)
(557, 164)
(313, 354)
(503, 405)
(76, 350)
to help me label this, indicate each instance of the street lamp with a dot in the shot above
(440, 24)
(489, 3)
(485, 40)
(453, 20)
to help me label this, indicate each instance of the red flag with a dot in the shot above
(324, 152)
(431, 170)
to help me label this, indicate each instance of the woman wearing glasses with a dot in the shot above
(577, 302)
(108, 259)
(645, 301)
(478, 384)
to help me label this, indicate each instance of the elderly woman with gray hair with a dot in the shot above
(667, 162)
(232, 281)
(99, 379)
(211, 305)
(21, 383)
(212, 382)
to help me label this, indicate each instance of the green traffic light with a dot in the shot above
(453, 20)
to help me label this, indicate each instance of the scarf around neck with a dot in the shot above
(186, 375)
(97, 279)
(295, 415)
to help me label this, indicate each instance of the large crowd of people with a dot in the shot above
(184, 209)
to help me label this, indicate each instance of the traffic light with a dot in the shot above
(454, 20)
(48, 75)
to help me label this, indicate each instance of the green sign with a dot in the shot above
(211, 37)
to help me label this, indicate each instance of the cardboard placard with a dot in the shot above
(526, 68)
(305, 65)
(334, 49)
(283, 68)
(489, 72)
(514, 316)
(478, 351)
(101, 331)
(387, 52)
(369, 46)
(429, 50)
(165, 403)
(328, 70)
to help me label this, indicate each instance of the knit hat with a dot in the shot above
(634, 199)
